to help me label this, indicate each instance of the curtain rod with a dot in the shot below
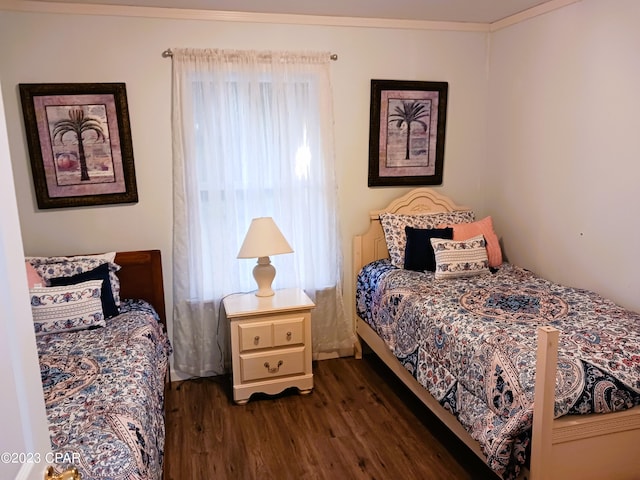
(168, 53)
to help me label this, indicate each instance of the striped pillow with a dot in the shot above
(460, 259)
(67, 308)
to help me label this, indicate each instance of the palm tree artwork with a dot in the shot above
(82, 127)
(410, 112)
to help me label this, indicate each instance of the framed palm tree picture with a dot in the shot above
(79, 141)
(407, 132)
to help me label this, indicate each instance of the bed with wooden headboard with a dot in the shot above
(104, 377)
(572, 446)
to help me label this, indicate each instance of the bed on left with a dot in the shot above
(100, 324)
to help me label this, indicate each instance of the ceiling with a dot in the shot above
(475, 11)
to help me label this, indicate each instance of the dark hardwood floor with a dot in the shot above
(359, 423)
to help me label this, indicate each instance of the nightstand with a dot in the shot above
(270, 342)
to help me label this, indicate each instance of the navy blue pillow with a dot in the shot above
(418, 253)
(109, 307)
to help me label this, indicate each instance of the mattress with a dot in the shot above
(104, 395)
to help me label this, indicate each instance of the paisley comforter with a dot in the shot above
(104, 395)
(472, 343)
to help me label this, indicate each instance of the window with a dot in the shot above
(252, 138)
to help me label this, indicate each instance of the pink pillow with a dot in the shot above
(465, 231)
(33, 278)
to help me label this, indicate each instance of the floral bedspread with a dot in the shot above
(472, 343)
(104, 395)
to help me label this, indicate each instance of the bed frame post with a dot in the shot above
(544, 403)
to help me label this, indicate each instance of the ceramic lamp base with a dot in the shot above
(264, 273)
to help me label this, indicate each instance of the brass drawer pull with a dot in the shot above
(69, 474)
(256, 340)
(289, 335)
(274, 369)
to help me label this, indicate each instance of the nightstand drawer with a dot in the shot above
(255, 335)
(277, 363)
(288, 332)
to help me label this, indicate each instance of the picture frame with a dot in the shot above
(79, 141)
(407, 132)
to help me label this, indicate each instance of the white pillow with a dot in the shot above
(67, 308)
(463, 258)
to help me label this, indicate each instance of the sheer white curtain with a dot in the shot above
(252, 137)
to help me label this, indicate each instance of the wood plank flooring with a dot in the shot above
(358, 423)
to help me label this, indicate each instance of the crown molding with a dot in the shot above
(530, 13)
(34, 6)
(228, 16)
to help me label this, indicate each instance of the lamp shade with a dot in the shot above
(263, 239)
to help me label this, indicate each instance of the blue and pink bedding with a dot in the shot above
(471, 342)
(104, 395)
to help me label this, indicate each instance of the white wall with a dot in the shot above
(563, 145)
(47, 48)
(22, 408)
(546, 145)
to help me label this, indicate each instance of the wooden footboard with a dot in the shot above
(593, 446)
(576, 447)
(598, 446)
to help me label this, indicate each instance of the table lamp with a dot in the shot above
(264, 238)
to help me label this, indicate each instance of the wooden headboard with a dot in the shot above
(141, 277)
(371, 245)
